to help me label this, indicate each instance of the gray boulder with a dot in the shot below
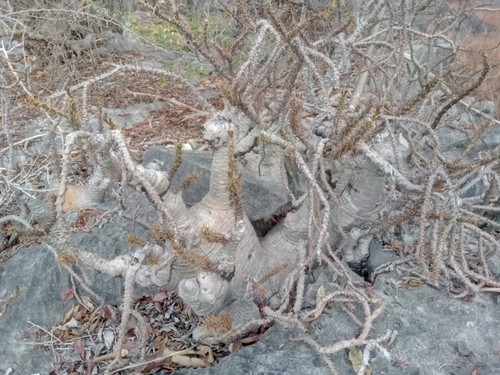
(436, 335)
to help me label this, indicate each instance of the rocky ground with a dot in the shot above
(435, 333)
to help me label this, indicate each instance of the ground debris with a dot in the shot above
(85, 338)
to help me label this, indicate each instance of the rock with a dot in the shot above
(463, 349)
(452, 140)
(187, 147)
(118, 43)
(89, 40)
(274, 354)
(487, 107)
(41, 281)
(13, 47)
(127, 117)
(163, 55)
(409, 234)
(432, 330)
(118, 5)
(379, 256)
(193, 144)
(40, 284)
(151, 64)
(323, 276)
(210, 94)
(494, 265)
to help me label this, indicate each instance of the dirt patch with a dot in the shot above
(179, 121)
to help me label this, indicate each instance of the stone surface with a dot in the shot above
(127, 117)
(41, 282)
(437, 335)
(455, 137)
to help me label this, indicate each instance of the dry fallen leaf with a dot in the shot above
(88, 303)
(319, 305)
(81, 314)
(69, 314)
(206, 351)
(158, 307)
(191, 358)
(187, 361)
(160, 296)
(415, 282)
(129, 345)
(250, 339)
(67, 294)
(235, 346)
(159, 342)
(109, 312)
(371, 293)
(356, 358)
(79, 345)
(132, 323)
(72, 198)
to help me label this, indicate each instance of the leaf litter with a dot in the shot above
(85, 338)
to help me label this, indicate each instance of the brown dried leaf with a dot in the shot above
(93, 212)
(152, 366)
(88, 303)
(158, 306)
(109, 312)
(67, 294)
(206, 352)
(158, 355)
(129, 345)
(415, 282)
(175, 346)
(159, 342)
(69, 314)
(189, 357)
(235, 346)
(319, 305)
(371, 293)
(160, 296)
(80, 347)
(132, 323)
(250, 339)
(187, 361)
(80, 314)
(356, 358)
